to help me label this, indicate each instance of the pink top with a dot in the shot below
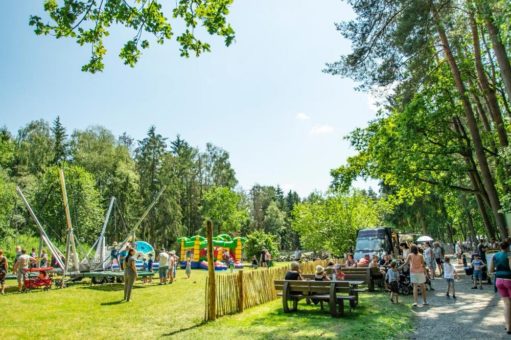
(416, 263)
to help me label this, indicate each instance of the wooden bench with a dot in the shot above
(334, 293)
(370, 276)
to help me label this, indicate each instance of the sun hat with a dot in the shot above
(319, 269)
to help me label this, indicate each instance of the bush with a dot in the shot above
(259, 240)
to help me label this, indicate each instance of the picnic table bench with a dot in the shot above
(370, 276)
(335, 293)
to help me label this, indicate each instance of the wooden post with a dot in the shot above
(240, 297)
(211, 274)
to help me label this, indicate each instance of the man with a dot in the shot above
(163, 258)
(23, 262)
(438, 251)
(481, 248)
(429, 259)
(364, 261)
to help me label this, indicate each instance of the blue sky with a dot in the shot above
(264, 99)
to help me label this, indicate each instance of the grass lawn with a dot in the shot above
(177, 311)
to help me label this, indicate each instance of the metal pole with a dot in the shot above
(70, 242)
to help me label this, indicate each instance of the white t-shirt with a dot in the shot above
(164, 259)
(448, 271)
(23, 260)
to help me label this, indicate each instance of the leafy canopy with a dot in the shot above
(89, 22)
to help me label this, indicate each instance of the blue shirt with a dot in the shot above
(391, 276)
(501, 264)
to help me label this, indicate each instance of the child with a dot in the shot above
(188, 267)
(478, 265)
(449, 276)
(231, 264)
(149, 268)
(391, 277)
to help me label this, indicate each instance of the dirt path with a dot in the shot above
(476, 314)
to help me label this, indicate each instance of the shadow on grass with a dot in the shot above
(112, 303)
(185, 329)
(373, 318)
(110, 287)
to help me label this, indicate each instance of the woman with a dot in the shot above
(350, 262)
(130, 273)
(500, 266)
(294, 273)
(404, 249)
(417, 274)
(3, 271)
(320, 274)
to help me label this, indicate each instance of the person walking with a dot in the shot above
(500, 266)
(429, 259)
(449, 276)
(130, 274)
(438, 252)
(163, 259)
(417, 274)
(20, 267)
(3, 271)
(391, 278)
(188, 269)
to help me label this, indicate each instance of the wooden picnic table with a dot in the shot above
(335, 293)
(353, 287)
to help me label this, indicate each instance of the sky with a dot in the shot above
(264, 99)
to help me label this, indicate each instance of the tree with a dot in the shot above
(34, 151)
(59, 142)
(331, 223)
(89, 22)
(222, 207)
(257, 241)
(429, 58)
(84, 204)
(7, 203)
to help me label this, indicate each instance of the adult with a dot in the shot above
(350, 262)
(172, 263)
(163, 259)
(269, 262)
(374, 262)
(500, 266)
(20, 267)
(321, 274)
(130, 274)
(439, 254)
(429, 259)
(294, 272)
(18, 253)
(364, 261)
(481, 249)
(263, 258)
(3, 271)
(458, 248)
(417, 274)
(43, 260)
(33, 254)
(405, 250)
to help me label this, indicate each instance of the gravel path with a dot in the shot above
(476, 314)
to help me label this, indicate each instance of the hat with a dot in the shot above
(173, 252)
(319, 270)
(115, 244)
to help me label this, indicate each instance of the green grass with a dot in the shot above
(177, 311)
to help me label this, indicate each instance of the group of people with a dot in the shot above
(169, 261)
(22, 262)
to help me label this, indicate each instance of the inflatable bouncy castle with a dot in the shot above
(226, 249)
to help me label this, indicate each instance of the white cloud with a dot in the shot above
(322, 129)
(302, 116)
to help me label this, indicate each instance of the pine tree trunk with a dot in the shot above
(498, 47)
(488, 91)
(473, 128)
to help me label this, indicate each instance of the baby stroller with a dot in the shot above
(41, 280)
(404, 284)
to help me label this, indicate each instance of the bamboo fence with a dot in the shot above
(244, 289)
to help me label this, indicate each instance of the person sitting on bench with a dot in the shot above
(294, 273)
